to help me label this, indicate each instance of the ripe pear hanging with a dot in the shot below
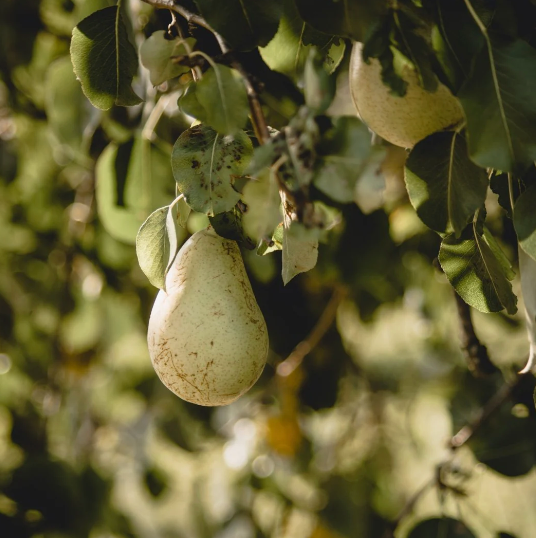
(403, 121)
(207, 337)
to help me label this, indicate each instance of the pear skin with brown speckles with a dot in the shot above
(207, 336)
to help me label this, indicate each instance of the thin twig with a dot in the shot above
(325, 321)
(499, 398)
(475, 352)
(193, 18)
(457, 441)
(409, 506)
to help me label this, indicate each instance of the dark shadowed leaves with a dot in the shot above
(445, 527)
(349, 18)
(104, 59)
(499, 101)
(411, 37)
(229, 225)
(244, 24)
(445, 187)
(461, 40)
(205, 165)
(378, 45)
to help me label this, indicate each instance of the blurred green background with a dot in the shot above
(93, 445)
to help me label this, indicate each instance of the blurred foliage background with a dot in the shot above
(331, 446)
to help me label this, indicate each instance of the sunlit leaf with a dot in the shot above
(300, 250)
(205, 165)
(288, 50)
(104, 59)
(156, 55)
(156, 245)
(219, 99)
(262, 199)
(475, 273)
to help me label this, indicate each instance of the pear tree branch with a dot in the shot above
(476, 354)
(258, 118)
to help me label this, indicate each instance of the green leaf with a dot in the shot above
(499, 185)
(218, 99)
(205, 165)
(299, 146)
(229, 225)
(300, 250)
(409, 33)
(347, 18)
(153, 247)
(527, 270)
(68, 111)
(266, 155)
(132, 180)
(156, 55)
(445, 187)
(499, 101)
(461, 40)
(506, 265)
(276, 242)
(190, 105)
(175, 232)
(264, 206)
(104, 59)
(288, 50)
(475, 273)
(319, 86)
(183, 212)
(378, 45)
(444, 527)
(345, 153)
(244, 24)
(525, 221)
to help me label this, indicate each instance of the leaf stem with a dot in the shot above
(177, 200)
(511, 193)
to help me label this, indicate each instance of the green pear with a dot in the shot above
(403, 121)
(207, 337)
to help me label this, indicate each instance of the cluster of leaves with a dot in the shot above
(482, 58)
